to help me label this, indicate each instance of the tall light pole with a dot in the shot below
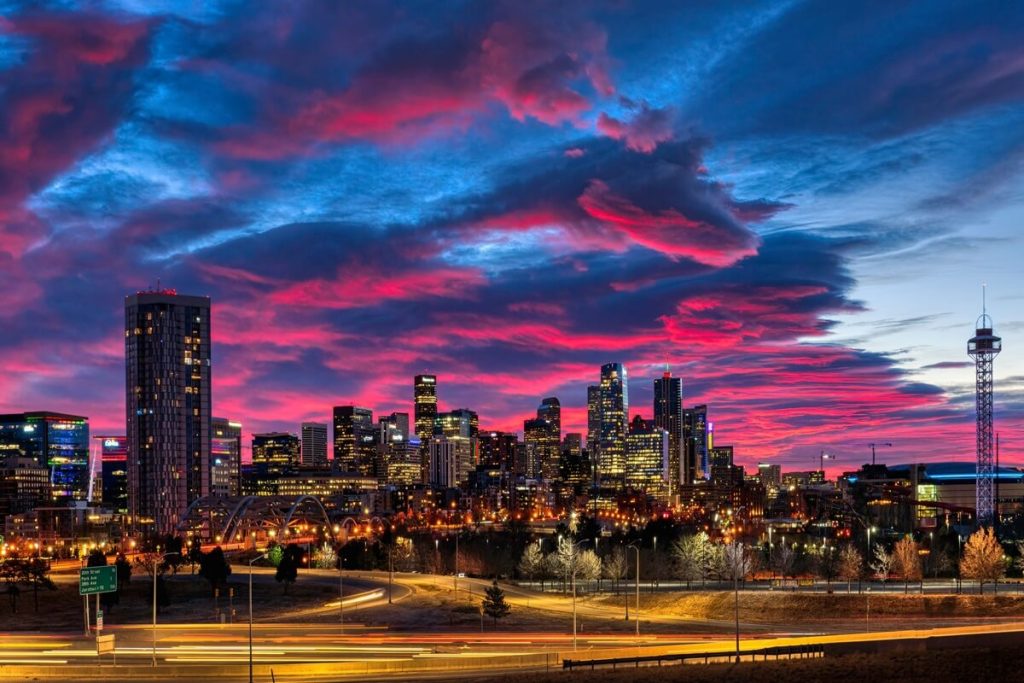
(654, 557)
(737, 567)
(341, 591)
(156, 565)
(636, 548)
(391, 569)
(575, 564)
(251, 562)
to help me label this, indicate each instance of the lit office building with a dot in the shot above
(395, 455)
(549, 444)
(614, 412)
(355, 440)
(460, 428)
(443, 465)
(275, 453)
(55, 441)
(313, 453)
(226, 457)
(24, 485)
(498, 450)
(111, 456)
(695, 443)
(425, 405)
(593, 419)
(575, 463)
(535, 436)
(647, 457)
(668, 415)
(167, 390)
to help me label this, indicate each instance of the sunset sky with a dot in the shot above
(793, 205)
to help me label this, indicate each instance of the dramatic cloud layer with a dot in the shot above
(509, 194)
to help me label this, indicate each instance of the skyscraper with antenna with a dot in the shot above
(983, 347)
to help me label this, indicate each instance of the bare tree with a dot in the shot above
(851, 565)
(588, 566)
(883, 563)
(616, 565)
(531, 564)
(688, 554)
(736, 561)
(784, 560)
(906, 561)
(983, 558)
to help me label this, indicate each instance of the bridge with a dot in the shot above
(237, 519)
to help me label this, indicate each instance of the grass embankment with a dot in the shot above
(955, 666)
(190, 596)
(780, 607)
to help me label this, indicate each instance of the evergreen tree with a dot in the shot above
(494, 603)
(214, 567)
(288, 569)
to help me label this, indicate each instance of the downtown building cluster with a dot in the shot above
(59, 484)
(174, 451)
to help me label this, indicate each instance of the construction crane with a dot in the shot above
(873, 446)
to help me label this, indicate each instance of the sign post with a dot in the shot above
(105, 646)
(94, 581)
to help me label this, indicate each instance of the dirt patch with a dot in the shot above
(190, 596)
(775, 607)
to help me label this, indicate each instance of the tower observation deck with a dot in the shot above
(983, 347)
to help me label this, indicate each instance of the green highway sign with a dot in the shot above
(92, 580)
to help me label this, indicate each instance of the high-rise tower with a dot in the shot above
(167, 387)
(614, 404)
(668, 415)
(425, 405)
(983, 347)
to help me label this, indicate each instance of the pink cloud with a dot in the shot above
(357, 287)
(643, 132)
(668, 231)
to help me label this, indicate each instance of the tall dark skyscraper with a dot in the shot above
(167, 403)
(314, 445)
(593, 418)
(668, 415)
(425, 405)
(614, 406)
(112, 452)
(225, 457)
(355, 440)
(695, 444)
(55, 441)
(547, 438)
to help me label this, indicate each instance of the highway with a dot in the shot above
(308, 644)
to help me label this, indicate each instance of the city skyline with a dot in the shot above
(614, 191)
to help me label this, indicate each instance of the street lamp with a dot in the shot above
(155, 566)
(251, 562)
(654, 557)
(636, 548)
(341, 590)
(575, 564)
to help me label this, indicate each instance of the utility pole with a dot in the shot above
(873, 445)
